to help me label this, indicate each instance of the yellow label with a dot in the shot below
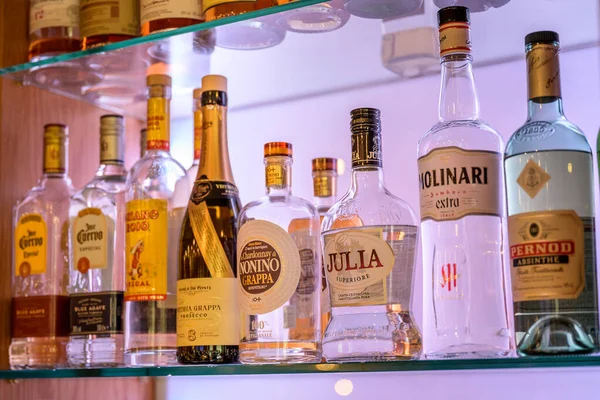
(207, 312)
(103, 17)
(206, 4)
(55, 156)
(146, 250)
(197, 133)
(276, 175)
(533, 178)
(89, 236)
(455, 38)
(30, 245)
(323, 186)
(157, 131)
(546, 255)
(151, 10)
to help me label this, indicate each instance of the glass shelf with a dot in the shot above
(239, 369)
(383, 48)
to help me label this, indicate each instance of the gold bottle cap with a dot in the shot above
(278, 149)
(214, 82)
(324, 164)
(158, 79)
(55, 148)
(197, 93)
(112, 139)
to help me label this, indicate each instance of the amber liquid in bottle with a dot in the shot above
(241, 7)
(53, 40)
(104, 22)
(53, 27)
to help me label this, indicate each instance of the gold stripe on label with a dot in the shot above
(543, 72)
(455, 38)
(323, 186)
(208, 241)
(197, 133)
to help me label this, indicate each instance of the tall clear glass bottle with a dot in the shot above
(369, 239)
(207, 279)
(40, 305)
(156, 196)
(192, 171)
(278, 258)
(550, 196)
(324, 174)
(461, 193)
(97, 256)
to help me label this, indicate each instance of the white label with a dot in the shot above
(53, 13)
(151, 10)
(89, 240)
(269, 267)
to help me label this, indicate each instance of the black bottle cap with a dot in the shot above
(363, 120)
(541, 37)
(453, 14)
(365, 125)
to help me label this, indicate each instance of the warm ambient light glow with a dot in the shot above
(341, 167)
(344, 387)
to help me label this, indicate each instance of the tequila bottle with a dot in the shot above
(97, 256)
(40, 305)
(278, 258)
(550, 195)
(156, 196)
(462, 211)
(369, 240)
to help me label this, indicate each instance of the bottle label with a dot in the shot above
(455, 38)
(152, 10)
(357, 263)
(158, 124)
(55, 155)
(40, 316)
(207, 312)
(207, 4)
(269, 267)
(112, 149)
(89, 240)
(323, 186)
(276, 174)
(204, 230)
(146, 250)
(366, 149)
(30, 245)
(108, 17)
(546, 255)
(543, 72)
(197, 133)
(455, 183)
(96, 313)
(53, 13)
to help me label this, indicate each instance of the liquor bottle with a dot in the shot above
(324, 174)
(97, 256)
(156, 196)
(550, 196)
(40, 304)
(369, 239)
(166, 15)
(103, 22)
(461, 192)
(316, 18)
(278, 258)
(192, 171)
(143, 142)
(53, 28)
(207, 280)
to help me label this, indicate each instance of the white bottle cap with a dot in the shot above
(214, 82)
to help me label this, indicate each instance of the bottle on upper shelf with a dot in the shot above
(207, 278)
(102, 22)
(192, 171)
(278, 258)
(40, 304)
(324, 174)
(165, 15)
(156, 196)
(316, 18)
(97, 256)
(53, 28)
(550, 195)
(369, 241)
(462, 213)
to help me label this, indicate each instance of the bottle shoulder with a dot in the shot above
(281, 210)
(465, 134)
(155, 164)
(54, 191)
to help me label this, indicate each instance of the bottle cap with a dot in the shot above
(541, 37)
(324, 164)
(158, 79)
(278, 149)
(111, 124)
(55, 130)
(214, 82)
(197, 94)
(453, 14)
(364, 120)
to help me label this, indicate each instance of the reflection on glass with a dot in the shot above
(378, 9)
(61, 75)
(473, 5)
(254, 34)
(316, 18)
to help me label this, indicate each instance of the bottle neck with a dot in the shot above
(458, 96)
(158, 131)
(215, 164)
(112, 169)
(112, 149)
(55, 162)
(366, 179)
(324, 189)
(278, 176)
(543, 83)
(197, 134)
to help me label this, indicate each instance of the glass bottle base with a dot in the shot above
(467, 351)
(38, 353)
(291, 352)
(151, 357)
(92, 351)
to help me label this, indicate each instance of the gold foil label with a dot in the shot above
(546, 255)
(152, 10)
(543, 71)
(104, 17)
(197, 133)
(206, 4)
(111, 149)
(269, 267)
(455, 183)
(323, 186)
(146, 240)
(158, 128)
(31, 240)
(533, 178)
(55, 157)
(455, 38)
(207, 312)
(55, 13)
(89, 237)
(357, 263)
(276, 175)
